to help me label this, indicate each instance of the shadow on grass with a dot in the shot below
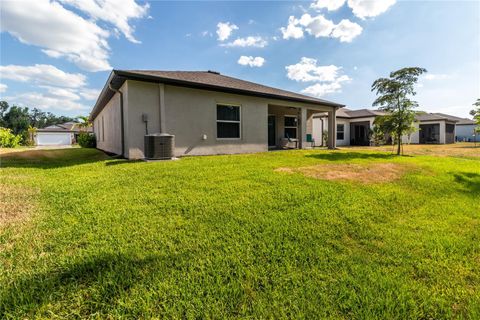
(345, 156)
(51, 158)
(117, 162)
(469, 180)
(100, 281)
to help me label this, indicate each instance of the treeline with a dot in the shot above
(18, 122)
(19, 119)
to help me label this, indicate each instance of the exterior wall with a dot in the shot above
(141, 98)
(191, 115)
(108, 130)
(464, 132)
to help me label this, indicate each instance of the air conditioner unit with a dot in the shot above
(159, 146)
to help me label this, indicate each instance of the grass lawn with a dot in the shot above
(349, 234)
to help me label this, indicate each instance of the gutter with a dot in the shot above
(122, 127)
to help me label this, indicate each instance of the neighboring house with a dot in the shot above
(354, 126)
(58, 135)
(464, 128)
(208, 113)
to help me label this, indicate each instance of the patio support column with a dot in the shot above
(303, 128)
(332, 129)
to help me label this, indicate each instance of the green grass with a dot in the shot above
(228, 237)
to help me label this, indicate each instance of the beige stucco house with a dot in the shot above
(208, 113)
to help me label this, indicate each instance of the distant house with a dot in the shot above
(464, 129)
(208, 113)
(58, 134)
(353, 127)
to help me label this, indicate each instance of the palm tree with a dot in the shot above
(84, 123)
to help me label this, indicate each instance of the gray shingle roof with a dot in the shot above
(208, 80)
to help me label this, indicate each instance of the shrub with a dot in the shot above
(8, 139)
(87, 140)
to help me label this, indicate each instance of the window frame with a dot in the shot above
(229, 121)
(340, 131)
(290, 127)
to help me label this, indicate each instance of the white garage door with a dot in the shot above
(53, 138)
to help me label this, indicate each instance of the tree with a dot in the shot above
(475, 113)
(3, 108)
(393, 97)
(17, 119)
(84, 123)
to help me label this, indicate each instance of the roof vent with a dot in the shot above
(214, 72)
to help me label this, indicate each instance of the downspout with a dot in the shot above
(122, 128)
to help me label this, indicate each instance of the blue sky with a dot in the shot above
(57, 55)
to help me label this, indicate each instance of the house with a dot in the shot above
(464, 128)
(58, 134)
(353, 127)
(207, 112)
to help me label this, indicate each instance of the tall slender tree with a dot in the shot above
(394, 97)
(475, 113)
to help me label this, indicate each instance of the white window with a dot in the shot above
(228, 121)
(290, 127)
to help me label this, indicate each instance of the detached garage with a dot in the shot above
(56, 135)
(54, 138)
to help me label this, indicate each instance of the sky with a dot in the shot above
(57, 55)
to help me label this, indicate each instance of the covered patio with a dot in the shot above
(290, 127)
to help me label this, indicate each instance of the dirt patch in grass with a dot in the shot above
(372, 173)
(16, 204)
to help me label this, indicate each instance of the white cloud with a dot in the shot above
(114, 12)
(3, 87)
(47, 101)
(89, 94)
(225, 29)
(319, 26)
(54, 88)
(292, 30)
(251, 61)
(321, 89)
(249, 41)
(206, 33)
(59, 31)
(43, 74)
(328, 78)
(307, 70)
(433, 76)
(62, 93)
(369, 8)
(330, 5)
(346, 30)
